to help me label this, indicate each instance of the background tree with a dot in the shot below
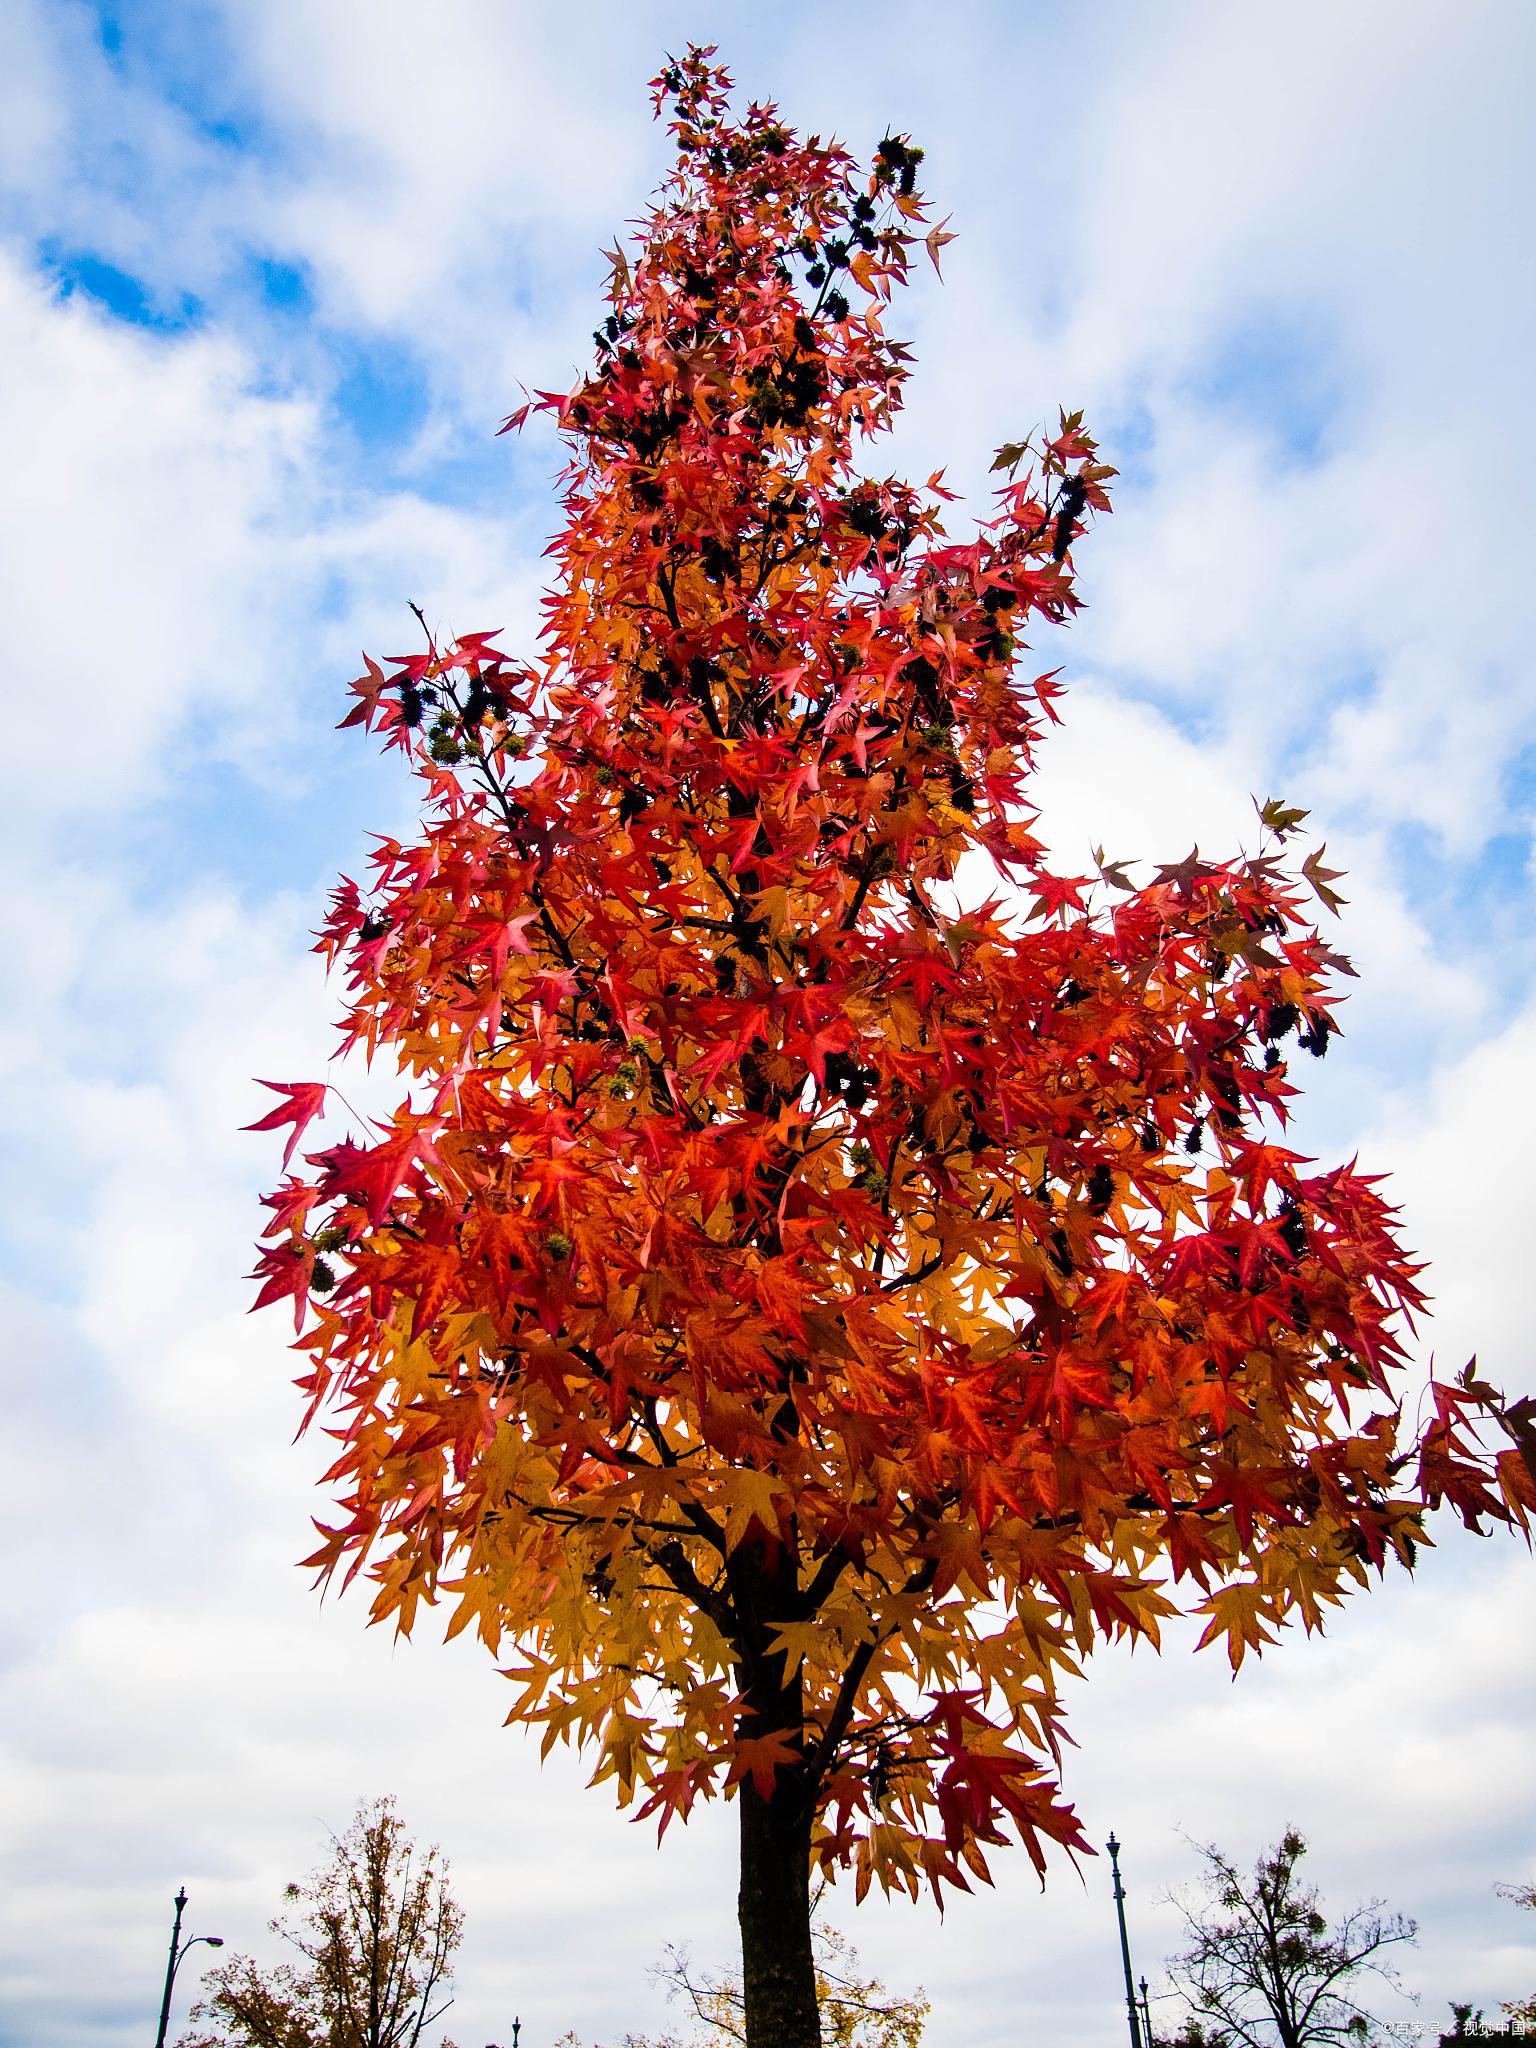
(810, 1296)
(376, 1927)
(1467, 2022)
(1264, 1966)
(857, 2011)
(1521, 2012)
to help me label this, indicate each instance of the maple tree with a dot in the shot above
(1264, 1968)
(808, 1297)
(377, 1930)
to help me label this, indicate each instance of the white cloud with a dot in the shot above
(1458, 1150)
(162, 508)
(451, 188)
(186, 572)
(1321, 550)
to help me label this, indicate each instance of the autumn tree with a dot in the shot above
(376, 1928)
(1265, 1968)
(827, 1271)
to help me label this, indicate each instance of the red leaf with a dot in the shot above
(302, 1103)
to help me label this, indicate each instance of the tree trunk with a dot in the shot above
(778, 1971)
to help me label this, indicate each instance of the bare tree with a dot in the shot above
(1264, 1967)
(377, 1929)
(856, 2011)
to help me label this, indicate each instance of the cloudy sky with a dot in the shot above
(271, 272)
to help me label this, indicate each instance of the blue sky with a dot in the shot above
(270, 276)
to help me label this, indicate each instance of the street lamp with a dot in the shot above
(1125, 1947)
(174, 1961)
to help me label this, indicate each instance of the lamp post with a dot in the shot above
(174, 1961)
(1125, 1947)
(1146, 2012)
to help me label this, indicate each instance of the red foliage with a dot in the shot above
(798, 1317)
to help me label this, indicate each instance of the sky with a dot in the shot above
(271, 274)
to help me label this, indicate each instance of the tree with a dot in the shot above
(1264, 1967)
(808, 1297)
(1468, 2024)
(377, 1931)
(1521, 2012)
(856, 2011)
